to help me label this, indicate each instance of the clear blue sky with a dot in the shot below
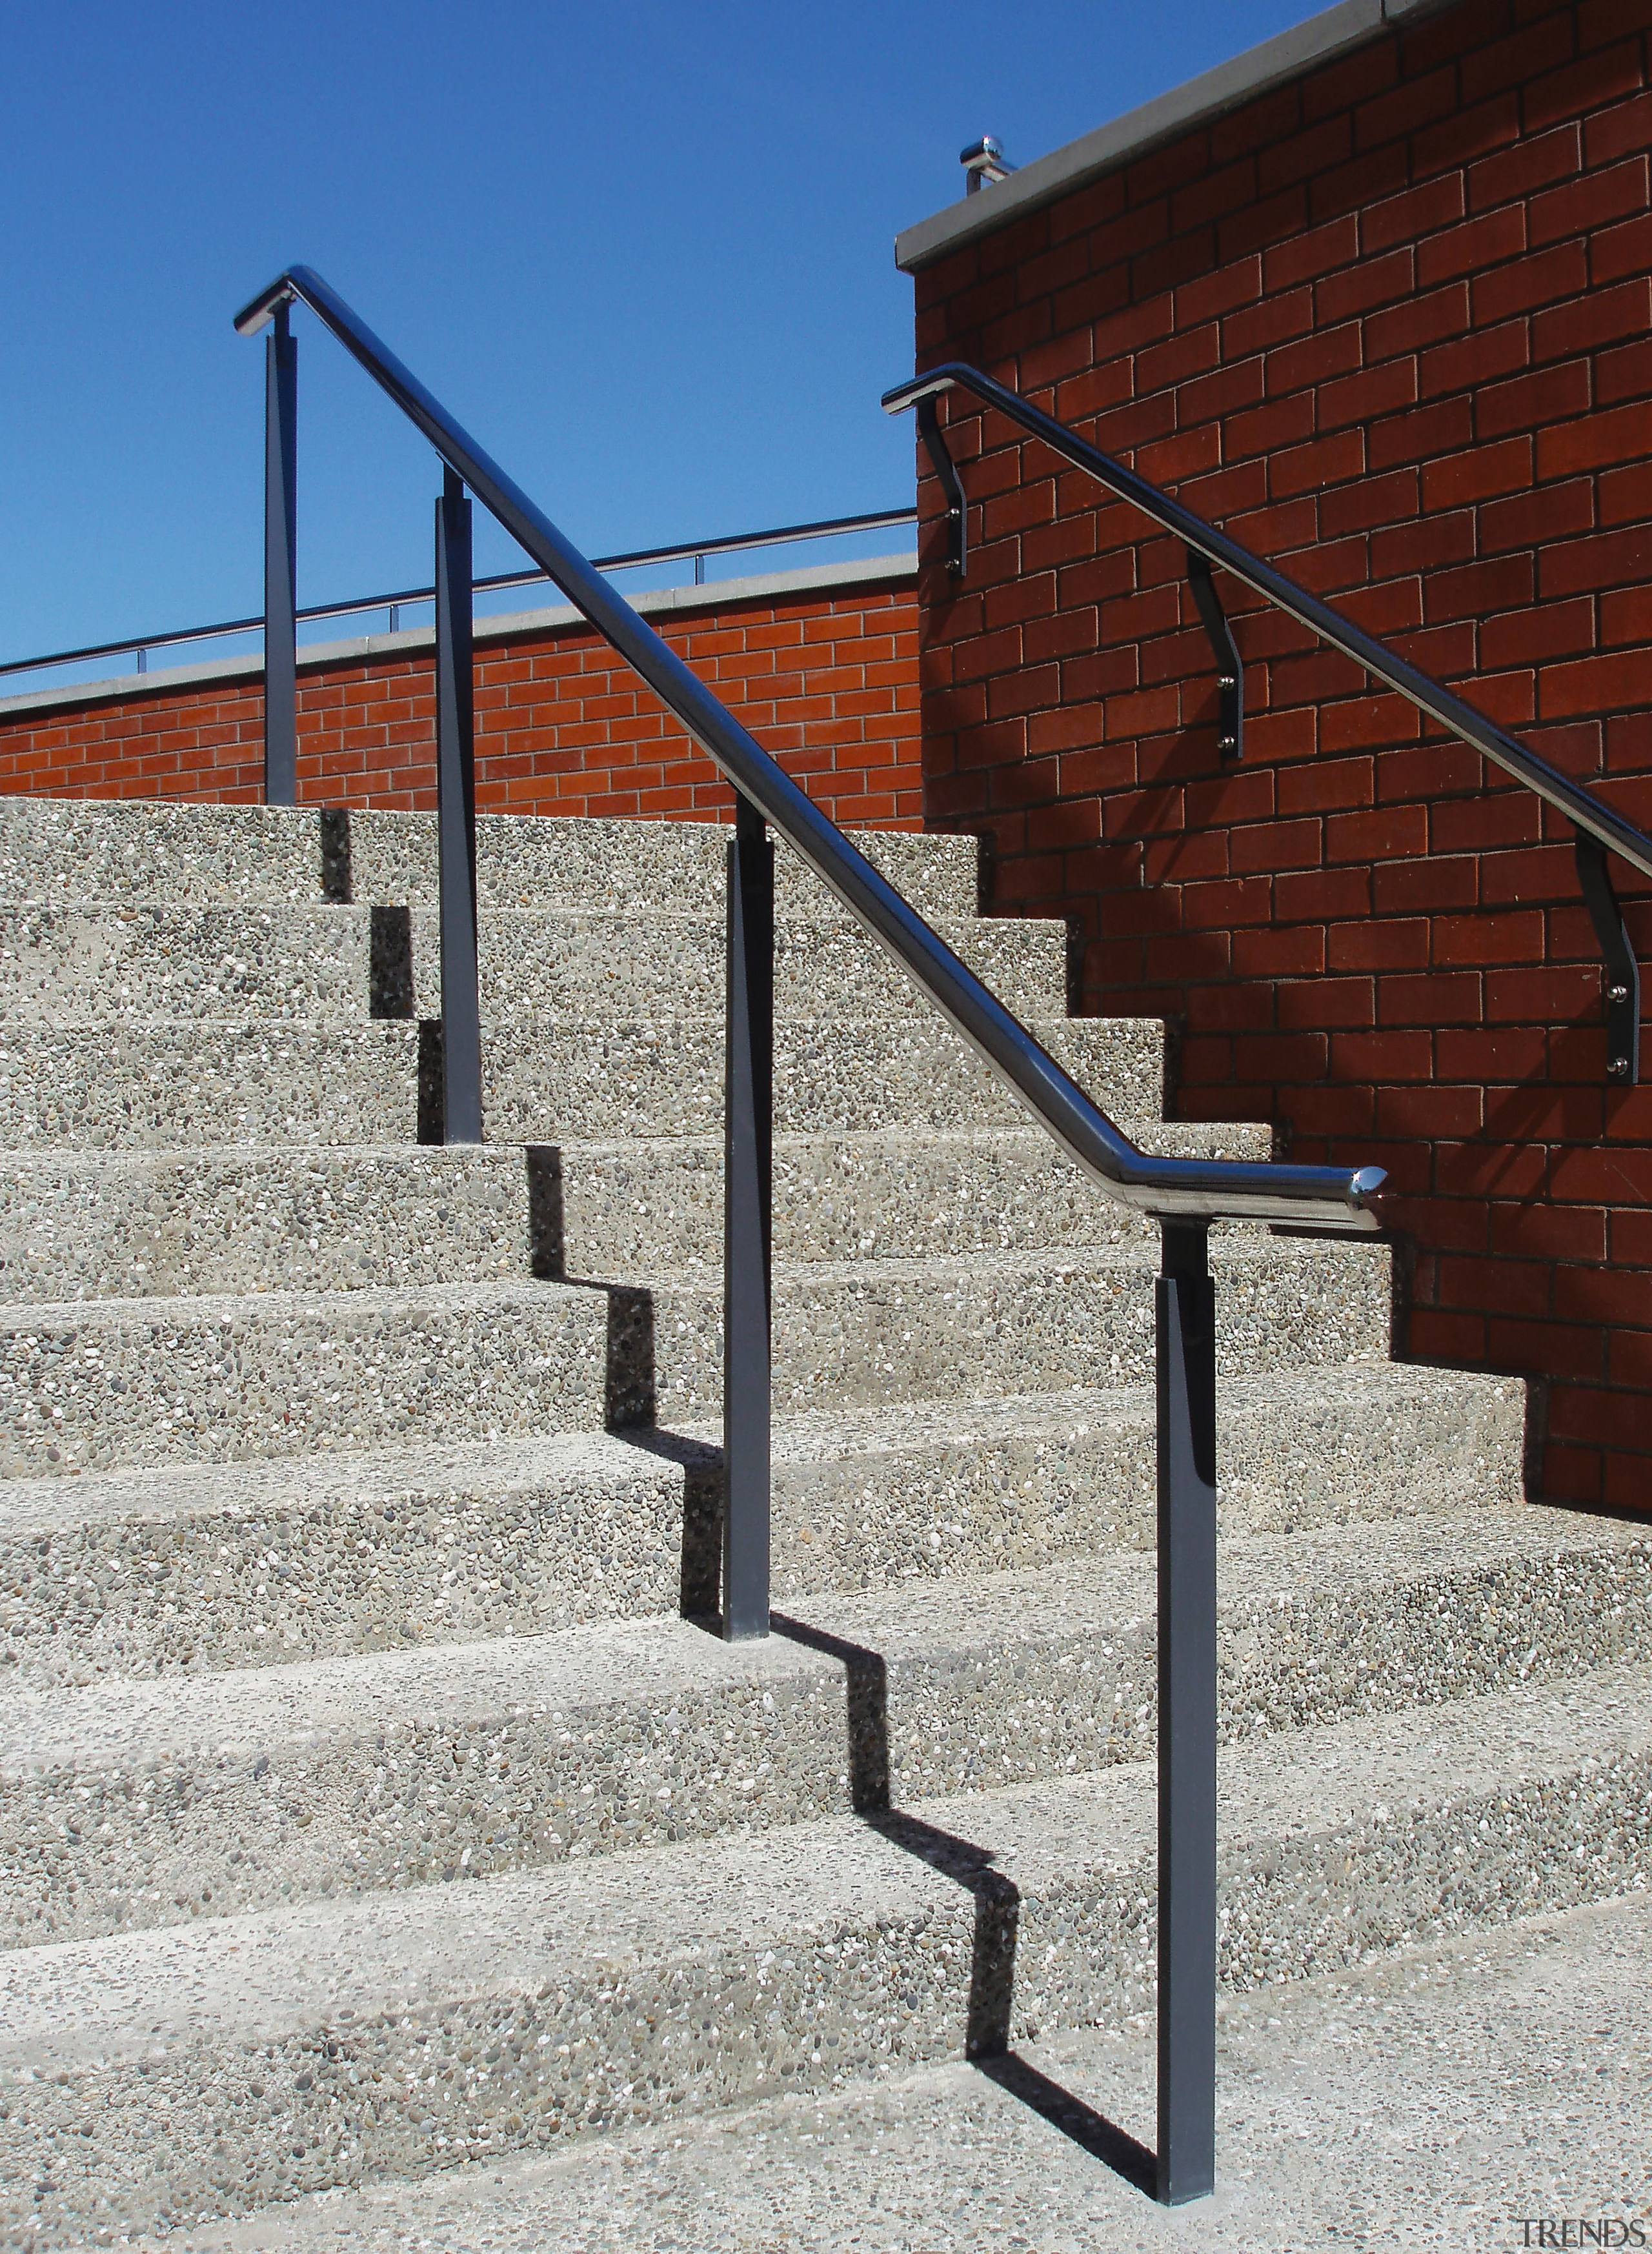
(644, 250)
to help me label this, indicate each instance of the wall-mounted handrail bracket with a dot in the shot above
(1622, 971)
(1231, 672)
(935, 440)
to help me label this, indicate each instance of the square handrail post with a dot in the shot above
(1186, 1376)
(456, 818)
(747, 1180)
(280, 570)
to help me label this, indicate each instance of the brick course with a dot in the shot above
(827, 680)
(1392, 326)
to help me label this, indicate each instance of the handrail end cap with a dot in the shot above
(260, 311)
(1365, 1184)
(903, 396)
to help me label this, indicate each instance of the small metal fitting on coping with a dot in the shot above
(985, 160)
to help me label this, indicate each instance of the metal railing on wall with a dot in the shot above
(141, 649)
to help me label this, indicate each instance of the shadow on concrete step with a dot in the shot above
(631, 1355)
(700, 1584)
(997, 1911)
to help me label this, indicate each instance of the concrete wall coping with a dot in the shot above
(1320, 39)
(653, 602)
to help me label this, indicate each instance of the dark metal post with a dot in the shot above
(281, 581)
(747, 1141)
(1186, 1378)
(456, 819)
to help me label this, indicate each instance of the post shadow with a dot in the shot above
(630, 1382)
(997, 1910)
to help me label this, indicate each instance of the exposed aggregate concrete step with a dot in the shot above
(855, 1335)
(591, 1082)
(232, 1219)
(322, 1584)
(533, 964)
(168, 1085)
(670, 867)
(137, 852)
(1432, 2097)
(132, 1805)
(290, 2050)
(174, 1084)
(84, 964)
(85, 850)
(240, 1218)
(938, 1489)
(92, 1385)
(194, 1567)
(627, 1206)
(77, 966)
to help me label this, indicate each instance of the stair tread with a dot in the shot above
(814, 1435)
(257, 1977)
(1234, 1246)
(242, 1716)
(266, 1485)
(1385, 2090)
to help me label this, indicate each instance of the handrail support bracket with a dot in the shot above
(1622, 979)
(935, 440)
(1231, 673)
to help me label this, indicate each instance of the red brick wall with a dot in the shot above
(1390, 325)
(827, 680)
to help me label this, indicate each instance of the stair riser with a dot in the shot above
(367, 1566)
(414, 1798)
(588, 966)
(144, 852)
(863, 1339)
(77, 967)
(175, 855)
(316, 965)
(988, 1503)
(160, 1087)
(143, 1088)
(333, 1221)
(224, 1223)
(595, 1083)
(637, 1207)
(233, 1380)
(249, 2118)
(675, 868)
(144, 1595)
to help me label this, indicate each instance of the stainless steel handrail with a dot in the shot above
(1579, 805)
(636, 559)
(1335, 1197)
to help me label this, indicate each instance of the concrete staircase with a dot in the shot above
(370, 1799)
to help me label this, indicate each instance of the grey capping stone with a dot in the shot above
(1290, 54)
